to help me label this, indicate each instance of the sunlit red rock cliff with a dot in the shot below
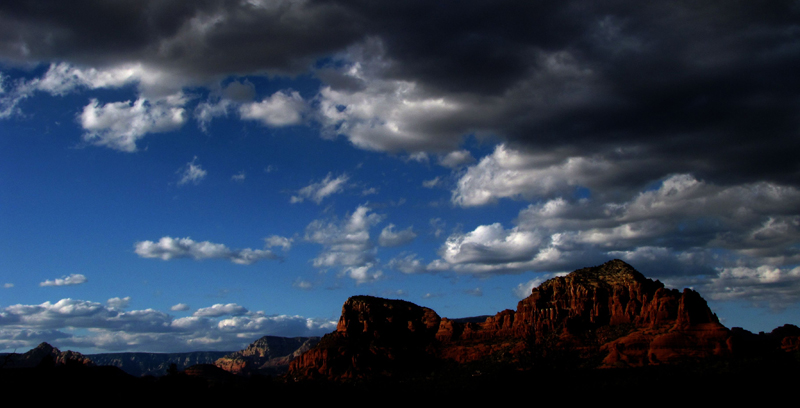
(609, 315)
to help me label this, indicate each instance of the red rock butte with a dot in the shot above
(609, 314)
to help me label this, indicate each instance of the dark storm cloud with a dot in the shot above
(708, 88)
(198, 38)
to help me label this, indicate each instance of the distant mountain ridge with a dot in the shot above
(156, 364)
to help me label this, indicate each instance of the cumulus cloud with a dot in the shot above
(180, 307)
(407, 263)
(220, 310)
(168, 248)
(456, 159)
(191, 173)
(391, 238)
(317, 192)
(347, 244)
(118, 303)
(72, 279)
(119, 125)
(524, 289)
(279, 241)
(280, 109)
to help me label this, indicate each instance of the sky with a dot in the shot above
(181, 176)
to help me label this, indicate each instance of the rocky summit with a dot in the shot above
(603, 316)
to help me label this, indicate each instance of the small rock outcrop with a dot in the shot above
(267, 355)
(609, 313)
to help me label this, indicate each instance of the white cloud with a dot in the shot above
(239, 178)
(64, 78)
(72, 279)
(118, 303)
(391, 238)
(385, 114)
(437, 181)
(280, 109)
(220, 310)
(524, 289)
(302, 284)
(168, 248)
(407, 264)
(316, 192)
(363, 274)
(191, 173)
(456, 159)
(180, 307)
(120, 125)
(763, 285)
(8, 285)
(509, 173)
(347, 243)
(279, 241)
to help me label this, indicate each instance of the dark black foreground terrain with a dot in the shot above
(712, 381)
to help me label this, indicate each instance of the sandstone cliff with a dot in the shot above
(610, 313)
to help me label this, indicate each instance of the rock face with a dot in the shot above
(611, 313)
(374, 336)
(267, 355)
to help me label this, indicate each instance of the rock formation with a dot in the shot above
(267, 355)
(610, 313)
(46, 355)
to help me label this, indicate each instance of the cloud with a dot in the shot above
(391, 238)
(456, 159)
(317, 192)
(363, 274)
(8, 285)
(220, 310)
(86, 324)
(280, 109)
(119, 303)
(302, 284)
(515, 174)
(239, 177)
(524, 289)
(72, 279)
(436, 181)
(572, 80)
(474, 292)
(180, 307)
(119, 125)
(407, 263)
(168, 248)
(347, 244)
(191, 173)
(279, 241)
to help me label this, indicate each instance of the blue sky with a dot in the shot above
(178, 177)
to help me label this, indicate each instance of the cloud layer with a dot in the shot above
(218, 327)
